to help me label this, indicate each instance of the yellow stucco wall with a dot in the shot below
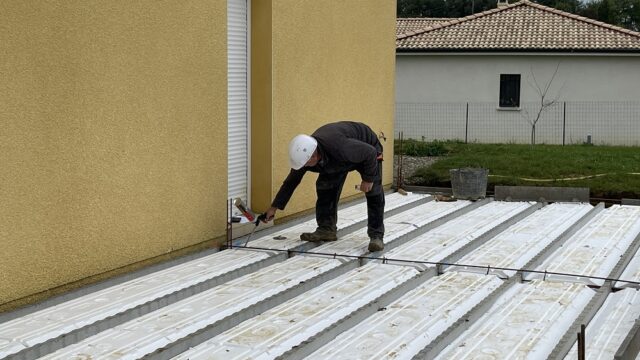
(113, 141)
(261, 104)
(331, 60)
(113, 135)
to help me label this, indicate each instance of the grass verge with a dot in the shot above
(613, 171)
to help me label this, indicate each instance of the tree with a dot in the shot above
(545, 102)
(629, 14)
(624, 13)
(421, 8)
(442, 8)
(572, 6)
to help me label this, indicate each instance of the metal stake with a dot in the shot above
(399, 179)
(581, 347)
(229, 225)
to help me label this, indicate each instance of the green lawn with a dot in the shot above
(511, 164)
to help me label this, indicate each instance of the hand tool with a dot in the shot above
(257, 222)
(244, 209)
(250, 216)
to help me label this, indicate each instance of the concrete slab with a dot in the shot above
(51, 328)
(477, 313)
(212, 311)
(396, 228)
(437, 244)
(288, 326)
(612, 323)
(349, 219)
(596, 249)
(520, 243)
(409, 324)
(525, 323)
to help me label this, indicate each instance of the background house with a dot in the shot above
(405, 25)
(482, 78)
(126, 126)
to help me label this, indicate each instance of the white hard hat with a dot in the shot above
(301, 148)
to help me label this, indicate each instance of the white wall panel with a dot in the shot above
(238, 109)
(594, 95)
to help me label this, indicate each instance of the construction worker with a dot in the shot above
(333, 151)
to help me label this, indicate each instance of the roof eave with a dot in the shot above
(515, 50)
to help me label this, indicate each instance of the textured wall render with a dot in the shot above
(113, 141)
(332, 60)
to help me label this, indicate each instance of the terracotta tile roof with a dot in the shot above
(522, 26)
(405, 25)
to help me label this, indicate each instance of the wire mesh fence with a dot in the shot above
(575, 122)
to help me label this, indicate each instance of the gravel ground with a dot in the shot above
(410, 164)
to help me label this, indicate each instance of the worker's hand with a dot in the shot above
(269, 214)
(366, 186)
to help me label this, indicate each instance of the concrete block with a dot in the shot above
(635, 202)
(542, 194)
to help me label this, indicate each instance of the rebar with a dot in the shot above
(438, 264)
(229, 228)
(399, 177)
(581, 343)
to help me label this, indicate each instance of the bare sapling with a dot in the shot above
(544, 100)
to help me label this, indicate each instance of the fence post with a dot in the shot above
(564, 121)
(466, 126)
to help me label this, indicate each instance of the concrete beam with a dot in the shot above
(541, 194)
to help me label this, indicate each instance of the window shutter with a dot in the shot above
(237, 100)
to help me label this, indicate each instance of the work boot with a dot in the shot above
(319, 235)
(376, 244)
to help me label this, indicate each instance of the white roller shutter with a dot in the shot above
(237, 99)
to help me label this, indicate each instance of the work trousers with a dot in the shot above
(329, 188)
